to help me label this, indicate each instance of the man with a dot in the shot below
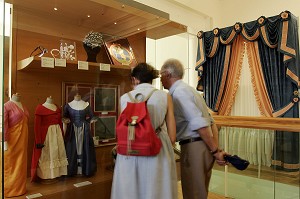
(196, 132)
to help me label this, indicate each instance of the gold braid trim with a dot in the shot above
(256, 34)
(283, 46)
(225, 71)
(293, 76)
(201, 51)
(264, 34)
(237, 79)
(214, 48)
(286, 58)
(283, 110)
(229, 39)
(255, 89)
(212, 112)
(285, 165)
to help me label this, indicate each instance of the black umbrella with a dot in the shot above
(237, 162)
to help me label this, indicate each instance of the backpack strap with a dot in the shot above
(135, 99)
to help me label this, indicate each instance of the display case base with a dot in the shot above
(99, 186)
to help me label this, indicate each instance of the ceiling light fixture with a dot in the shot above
(138, 29)
(55, 9)
(88, 16)
(115, 23)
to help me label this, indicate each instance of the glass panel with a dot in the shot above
(4, 61)
(260, 179)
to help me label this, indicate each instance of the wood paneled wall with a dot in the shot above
(36, 85)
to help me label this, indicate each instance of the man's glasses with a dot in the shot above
(39, 51)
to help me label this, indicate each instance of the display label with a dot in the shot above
(105, 67)
(47, 62)
(83, 65)
(60, 62)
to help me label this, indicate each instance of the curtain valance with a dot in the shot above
(280, 32)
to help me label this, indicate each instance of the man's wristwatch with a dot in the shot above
(215, 151)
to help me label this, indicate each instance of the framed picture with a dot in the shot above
(105, 128)
(71, 89)
(120, 53)
(105, 99)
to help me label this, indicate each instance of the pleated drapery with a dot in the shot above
(273, 55)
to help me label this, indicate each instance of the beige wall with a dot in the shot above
(245, 11)
(208, 14)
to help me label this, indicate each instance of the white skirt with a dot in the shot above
(53, 161)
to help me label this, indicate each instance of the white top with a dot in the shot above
(78, 105)
(49, 104)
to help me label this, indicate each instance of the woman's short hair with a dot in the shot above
(144, 72)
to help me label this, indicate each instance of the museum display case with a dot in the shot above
(50, 64)
(46, 59)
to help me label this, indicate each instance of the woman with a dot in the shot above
(149, 177)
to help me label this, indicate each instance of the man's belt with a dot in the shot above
(186, 141)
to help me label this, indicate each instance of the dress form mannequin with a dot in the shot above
(78, 141)
(16, 98)
(49, 104)
(78, 103)
(16, 118)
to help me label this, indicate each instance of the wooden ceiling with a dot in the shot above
(113, 18)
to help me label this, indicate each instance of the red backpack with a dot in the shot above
(135, 133)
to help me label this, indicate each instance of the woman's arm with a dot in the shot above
(170, 120)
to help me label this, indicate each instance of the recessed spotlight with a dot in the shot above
(88, 16)
(138, 29)
(115, 23)
(55, 9)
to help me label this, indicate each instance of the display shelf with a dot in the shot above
(34, 64)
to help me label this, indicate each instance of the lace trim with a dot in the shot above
(237, 80)
(255, 89)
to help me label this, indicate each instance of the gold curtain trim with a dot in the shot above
(264, 34)
(233, 78)
(256, 34)
(285, 165)
(229, 39)
(267, 109)
(285, 26)
(283, 110)
(225, 71)
(214, 48)
(286, 58)
(201, 52)
(293, 76)
(212, 112)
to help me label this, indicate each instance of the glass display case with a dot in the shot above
(50, 75)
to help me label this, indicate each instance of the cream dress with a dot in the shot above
(152, 177)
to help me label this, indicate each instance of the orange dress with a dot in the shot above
(15, 157)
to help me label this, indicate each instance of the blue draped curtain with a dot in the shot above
(277, 44)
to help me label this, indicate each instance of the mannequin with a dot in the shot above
(78, 140)
(16, 98)
(16, 138)
(49, 148)
(78, 103)
(49, 104)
